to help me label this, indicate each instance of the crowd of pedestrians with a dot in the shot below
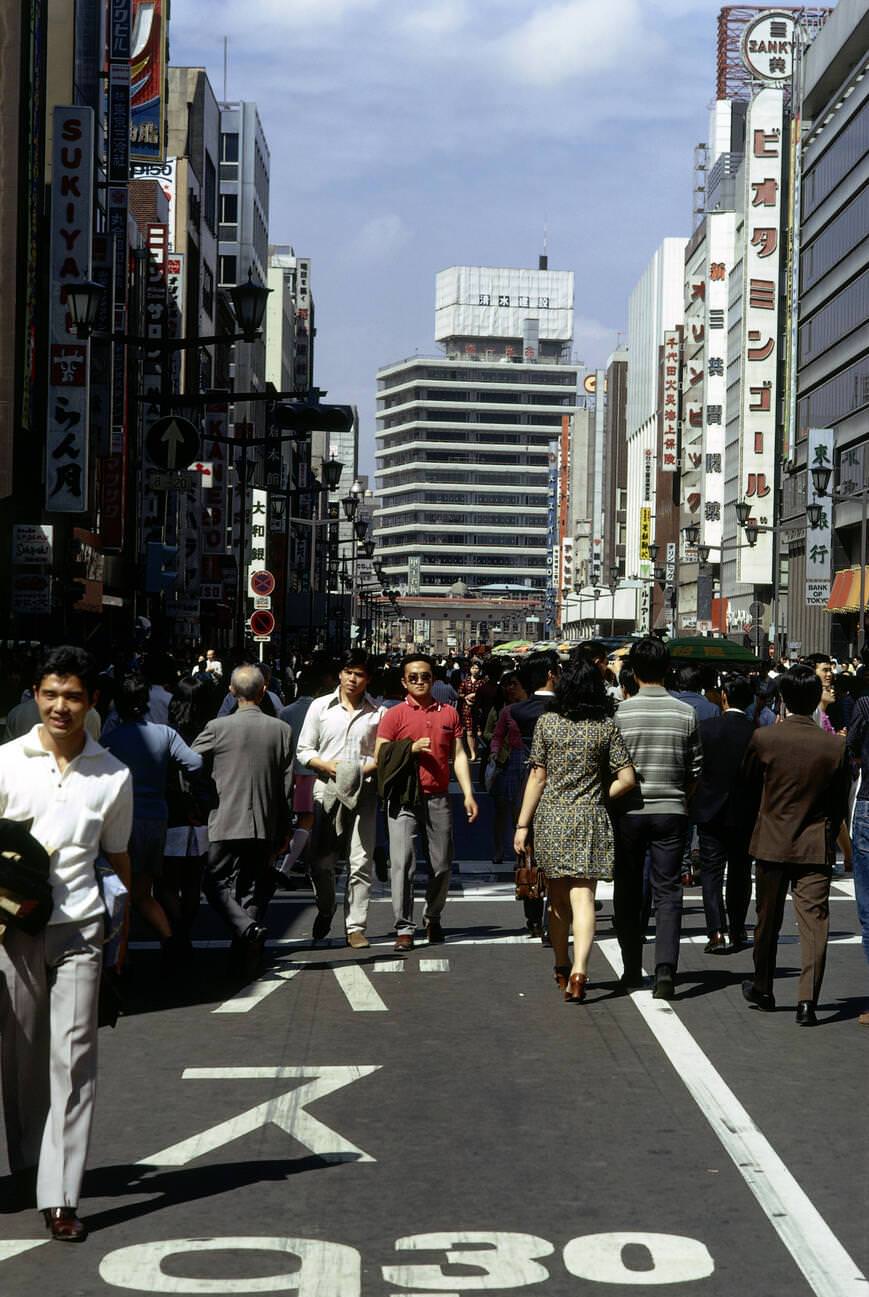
(188, 779)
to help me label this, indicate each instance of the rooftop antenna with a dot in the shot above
(225, 66)
(543, 261)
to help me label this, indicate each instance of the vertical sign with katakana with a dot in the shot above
(819, 540)
(720, 232)
(764, 151)
(692, 388)
(66, 434)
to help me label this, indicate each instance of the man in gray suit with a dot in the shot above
(250, 756)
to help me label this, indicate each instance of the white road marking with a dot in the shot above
(286, 1111)
(675, 1259)
(434, 965)
(360, 993)
(17, 1246)
(389, 966)
(507, 1260)
(250, 996)
(324, 1268)
(827, 1267)
(845, 886)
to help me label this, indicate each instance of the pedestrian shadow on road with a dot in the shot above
(847, 1009)
(171, 1187)
(707, 981)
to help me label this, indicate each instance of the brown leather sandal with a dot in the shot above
(561, 974)
(575, 990)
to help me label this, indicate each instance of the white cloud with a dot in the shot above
(442, 17)
(575, 38)
(380, 237)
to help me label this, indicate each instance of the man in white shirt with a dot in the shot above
(337, 743)
(80, 801)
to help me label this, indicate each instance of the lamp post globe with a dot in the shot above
(813, 515)
(332, 470)
(350, 504)
(83, 301)
(361, 528)
(367, 549)
(821, 479)
(743, 512)
(249, 303)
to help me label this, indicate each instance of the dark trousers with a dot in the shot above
(239, 882)
(722, 846)
(811, 893)
(663, 837)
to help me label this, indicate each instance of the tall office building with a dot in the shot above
(463, 438)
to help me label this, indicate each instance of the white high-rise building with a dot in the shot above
(656, 304)
(463, 437)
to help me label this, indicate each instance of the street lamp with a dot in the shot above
(821, 479)
(249, 304)
(84, 298)
(814, 513)
(350, 504)
(703, 553)
(360, 527)
(743, 512)
(691, 533)
(367, 549)
(83, 301)
(332, 470)
(751, 533)
(613, 588)
(653, 552)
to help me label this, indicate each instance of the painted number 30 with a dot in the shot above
(311, 1268)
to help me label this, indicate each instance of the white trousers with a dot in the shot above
(49, 998)
(357, 841)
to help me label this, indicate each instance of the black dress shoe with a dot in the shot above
(322, 924)
(64, 1225)
(20, 1191)
(434, 932)
(806, 1016)
(632, 979)
(738, 938)
(665, 982)
(717, 944)
(759, 999)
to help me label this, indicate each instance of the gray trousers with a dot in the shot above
(49, 997)
(357, 841)
(433, 819)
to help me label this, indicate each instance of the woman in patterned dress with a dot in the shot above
(578, 760)
(468, 689)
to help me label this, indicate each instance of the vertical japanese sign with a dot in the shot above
(552, 551)
(153, 510)
(113, 467)
(720, 231)
(669, 460)
(257, 531)
(66, 440)
(645, 533)
(692, 376)
(147, 80)
(760, 306)
(819, 540)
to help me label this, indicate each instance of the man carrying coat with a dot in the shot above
(250, 758)
(802, 777)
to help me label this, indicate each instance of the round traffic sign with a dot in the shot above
(262, 622)
(172, 442)
(261, 582)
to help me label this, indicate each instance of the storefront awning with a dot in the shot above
(845, 594)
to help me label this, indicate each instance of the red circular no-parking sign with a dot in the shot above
(261, 622)
(261, 582)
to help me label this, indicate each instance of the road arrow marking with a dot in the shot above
(361, 995)
(287, 1111)
(250, 996)
(175, 439)
(434, 965)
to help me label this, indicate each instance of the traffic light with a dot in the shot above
(161, 567)
(310, 416)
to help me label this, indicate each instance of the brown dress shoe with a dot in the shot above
(404, 941)
(64, 1225)
(358, 940)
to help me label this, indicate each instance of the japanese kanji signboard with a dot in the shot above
(672, 402)
(819, 540)
(720, 233)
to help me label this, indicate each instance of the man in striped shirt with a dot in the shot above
(664, 742)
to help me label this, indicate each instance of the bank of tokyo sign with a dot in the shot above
(767, 46)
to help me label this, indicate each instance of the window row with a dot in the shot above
(835, 240)
(835, 400)
(430, 477)
(567, 377)
(465, 498)
(836, 161)
(847, 311)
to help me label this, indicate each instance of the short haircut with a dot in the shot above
(650, 660)
(410, 658)
(800, 689)
(359, 658)
(580, 693)
(816, 659)
(738, 692)
(248, 683)
(69, 660)
(131, 700)
(538, 667)
(690, 678)
(590, 649)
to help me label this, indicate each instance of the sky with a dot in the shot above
(411, 135)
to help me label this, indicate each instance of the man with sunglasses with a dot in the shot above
(434, 732)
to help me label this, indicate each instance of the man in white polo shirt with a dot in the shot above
(80, 801)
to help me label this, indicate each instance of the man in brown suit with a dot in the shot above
(802, 776)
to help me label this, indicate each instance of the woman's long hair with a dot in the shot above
(580, 694)
(192, 706)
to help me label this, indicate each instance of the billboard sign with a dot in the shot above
(721, 230)
(819, 540)
(147, 80)
(672, 379)
(66, 436)
(767, 46)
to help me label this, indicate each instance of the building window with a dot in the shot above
(207, 289)
(227, 271)
(229, 148)
(210, 212)
(229, 209)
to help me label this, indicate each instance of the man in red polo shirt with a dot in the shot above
(435, 732)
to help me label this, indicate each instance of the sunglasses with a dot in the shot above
(421, 679)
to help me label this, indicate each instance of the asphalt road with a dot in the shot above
(444, 1123)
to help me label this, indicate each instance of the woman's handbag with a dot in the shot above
(530, 880)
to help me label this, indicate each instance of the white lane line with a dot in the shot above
(434, 965)
(388, 966)
(845, 886)
(827, 1267)
(17, 1246)
(253, 994)
(361, 995)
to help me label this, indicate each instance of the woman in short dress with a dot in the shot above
(578, 760)
(468, 689)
